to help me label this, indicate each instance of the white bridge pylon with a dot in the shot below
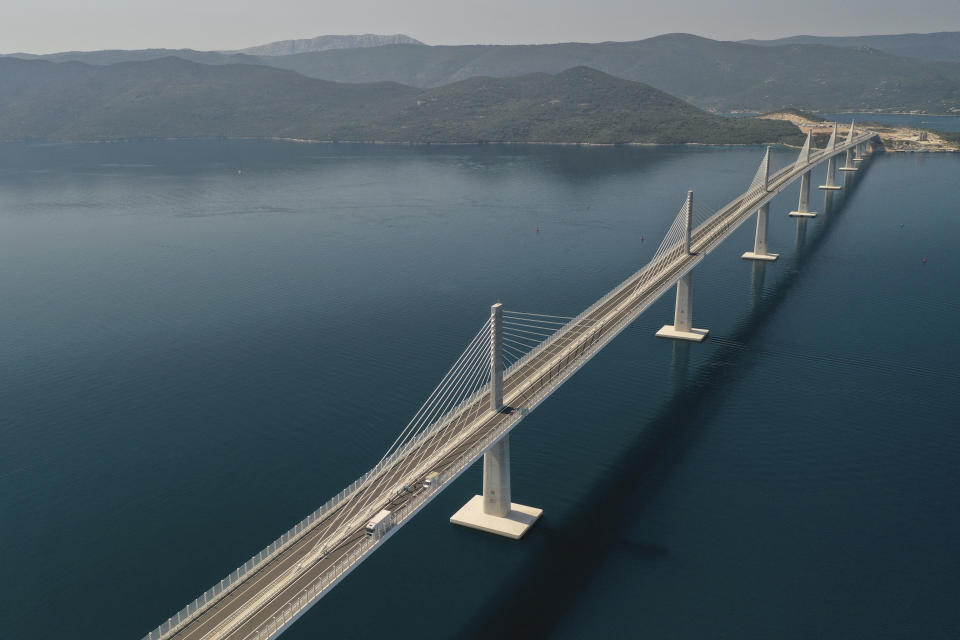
(682, 327)
(760, 240)
(803, 210)
(494, 512)
(848, 165)
(831, 149)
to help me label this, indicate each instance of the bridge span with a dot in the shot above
(514, 362)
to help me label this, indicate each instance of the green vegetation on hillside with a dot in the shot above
(719, 76)
(174, 98)
(942, 47)
(950, 136)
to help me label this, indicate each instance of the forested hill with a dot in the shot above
(175, 98)
(943, 46)
(723, 76)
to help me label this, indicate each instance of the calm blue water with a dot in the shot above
(195, 358)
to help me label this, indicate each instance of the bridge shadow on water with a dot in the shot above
(535, 600)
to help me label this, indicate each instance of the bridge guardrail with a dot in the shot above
(227, 584)
(308, 595)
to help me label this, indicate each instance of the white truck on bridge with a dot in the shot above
(380, 524)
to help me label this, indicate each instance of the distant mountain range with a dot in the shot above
(176, 98)
(721, 76)
(713, 75)
(943, 46)
(325, 43)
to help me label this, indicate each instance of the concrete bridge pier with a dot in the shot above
(848, 164)
(831, 176)
(682, 328)
(760, 241)
(803, 208)
(858, 153)
(493, 512)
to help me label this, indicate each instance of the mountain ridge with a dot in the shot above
(714, 75)
(325, 43)
(941, 46)
(176, 98)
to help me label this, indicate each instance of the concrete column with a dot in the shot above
(803, 210)
(689, 224)
(496, 479)
(496, 357)
(682, 327)
(682, 314)
(848, 163)
(493, 512)
(760, 240)
(831, 176)
(858, 153)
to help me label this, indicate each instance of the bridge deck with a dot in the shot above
(242, 613)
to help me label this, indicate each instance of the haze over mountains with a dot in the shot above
(714, 75)
(943, 46)
(721, 76)
(325, 43)
(356, 88)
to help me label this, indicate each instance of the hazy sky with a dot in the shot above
(42, 26)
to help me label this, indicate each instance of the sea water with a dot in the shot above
(203, 341)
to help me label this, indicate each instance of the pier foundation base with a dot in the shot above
(693, 335)
(513, 525)
(681, 328)
(770, 257)
(493, 512)
(831, 176)
(802, 207)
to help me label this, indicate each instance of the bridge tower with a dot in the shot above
(803, 210)
(682, 327)
(763, 213)
(832, 163)
(493, 512)
(848, 164)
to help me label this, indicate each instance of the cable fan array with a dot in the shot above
(523, 332)
(454, 401)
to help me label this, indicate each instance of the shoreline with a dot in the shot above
(890, 148)
(895, 138)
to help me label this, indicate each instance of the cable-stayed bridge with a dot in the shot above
(513, 363)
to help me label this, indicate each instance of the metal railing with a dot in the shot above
(206, 600)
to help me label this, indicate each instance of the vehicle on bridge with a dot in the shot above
(431, 480)
(380, 524)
